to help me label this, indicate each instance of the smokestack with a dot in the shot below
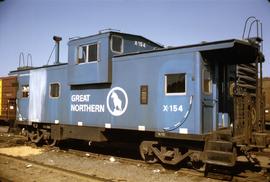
(57, 43)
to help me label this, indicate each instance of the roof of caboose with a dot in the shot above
(231, 51)
(22, 70)
(116, 33)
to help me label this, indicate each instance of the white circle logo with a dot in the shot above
(116, 99)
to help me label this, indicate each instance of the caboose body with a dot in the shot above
(122, 86)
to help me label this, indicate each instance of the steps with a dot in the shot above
(219, 149)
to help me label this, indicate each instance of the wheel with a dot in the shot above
(199, 166)
(51, 142)
(35, 136)
(147, 154)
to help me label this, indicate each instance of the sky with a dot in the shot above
(28, 25)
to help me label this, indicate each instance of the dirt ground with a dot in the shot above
(110, 169)
(106, 168)
(21, 151)
(17, 171)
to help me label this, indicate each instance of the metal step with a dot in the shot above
(220, 158)
(219, 149)
(224, 135)
(227, 157)
(219, 145)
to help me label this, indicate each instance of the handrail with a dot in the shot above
(21, 56)
(29, 56)
(257, 21)
(243, 36)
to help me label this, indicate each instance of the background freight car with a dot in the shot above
(8, 94)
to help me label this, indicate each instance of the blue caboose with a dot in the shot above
(122, 86)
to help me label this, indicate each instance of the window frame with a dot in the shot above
(175, 94)
(87, 53)
(211, 82)
(22, 91)
(50, 89)
(122, 46)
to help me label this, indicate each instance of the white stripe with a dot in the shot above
(190, 100)
(186, 114)
(108, 125)
(80, 123)
(35, 120)
(183, 130)
(56, 121)
(141, 128)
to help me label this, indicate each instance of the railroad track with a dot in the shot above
(171, 169)
(106, 157)
(138, 162)
(185, 170)
(135, 162)
(70, 173)
(83, 176)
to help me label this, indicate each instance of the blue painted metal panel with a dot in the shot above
(129, 74)
(56, 108)
(152, 115)
(197, 94)
(50, 109)
(93, 72)
(135, 44)
(100, 71)
(117, 105)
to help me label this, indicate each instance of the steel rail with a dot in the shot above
(57, 169)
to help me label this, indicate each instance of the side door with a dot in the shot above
(11, 109)
(208, 101)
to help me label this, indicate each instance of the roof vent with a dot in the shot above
(57, 46)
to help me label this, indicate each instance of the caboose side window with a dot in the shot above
(92, 52)
(82, 54)
(175, 84)
(117, 44)
(144, 94)
(88, 53)
(25, 91)
(54, 90)
(207, 82)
